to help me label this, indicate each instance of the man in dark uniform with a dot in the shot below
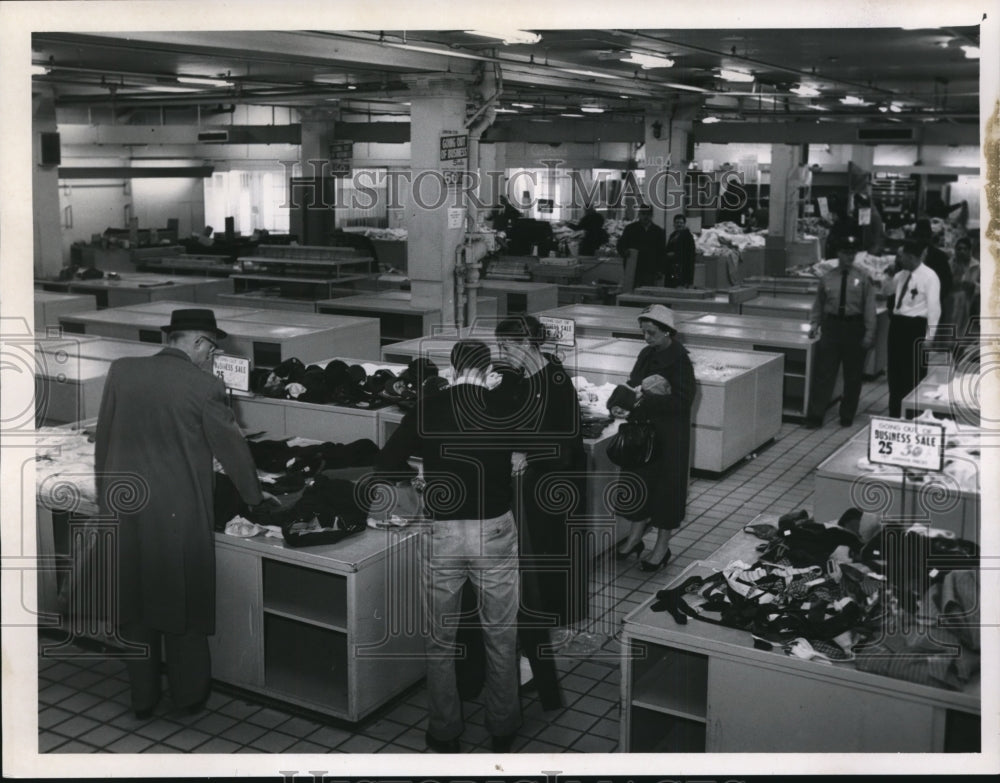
(649, 242)
(844, 314)
(162, 419)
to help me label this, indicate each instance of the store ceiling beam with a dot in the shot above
(130, 172)
(826, 133)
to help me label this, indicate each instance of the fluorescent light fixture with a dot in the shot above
(204, 80)
(971, 52)
(883, 108)
(172, 88)
(39, 70)
(647, 61)
(524, 105)
(895, 108)
(591, 73)
(352, 86)
(805, 91)
(432, 50)
(816, 107)
(852, 100)
(569, 114)
(508, 36)
(710, 120)
(592, 109)
(506, 111)
(735, 76)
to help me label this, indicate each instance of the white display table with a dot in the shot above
(699, 687)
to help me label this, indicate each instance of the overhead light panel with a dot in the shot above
(735, 76)
(971, 52)
(895, 108)
(204, 80)
(508, 36)
(590, 73)
(710, 120)
(852, 100)
(592, 109)
(40, 70)
(647, 61)
(506, 111)
(524, 105)
(805, 91)
(569, 114)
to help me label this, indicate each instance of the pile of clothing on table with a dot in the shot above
(896, 600)
(878, 268)
(354, 385)
(317, 502)
(727, 236)
(64, 468)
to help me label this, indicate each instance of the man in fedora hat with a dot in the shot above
(161, 421)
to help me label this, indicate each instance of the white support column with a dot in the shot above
(48, 253)
(437, 105)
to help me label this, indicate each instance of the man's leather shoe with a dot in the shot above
(441, 746)
(502, 743)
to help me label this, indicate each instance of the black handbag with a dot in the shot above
(634, 445)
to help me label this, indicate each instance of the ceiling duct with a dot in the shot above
(214, 137)
(886, 134)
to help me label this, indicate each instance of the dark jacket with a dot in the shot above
(466, 455)
(939, 262)
(651, 242)
(543, 413)
(161, 421)
(681, 253)
(666, 477)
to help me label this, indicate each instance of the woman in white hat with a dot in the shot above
(664, 385)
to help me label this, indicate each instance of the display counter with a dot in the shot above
(946, 392)
(791, 306)
(606, 321)
(399, 318)
(264, 300)
(286, 418)
(949, 500)
(699, 687)
(515, 297)
(738, 405)
(716, 303)
(134, 288)
(779, 286)
(186, 264)
(49, 306)
(265, 336)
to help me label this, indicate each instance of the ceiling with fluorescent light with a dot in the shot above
(925, 73)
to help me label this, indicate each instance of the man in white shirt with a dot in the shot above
(915, 317)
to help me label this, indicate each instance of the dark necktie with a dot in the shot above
(902, 291)
(842, 309)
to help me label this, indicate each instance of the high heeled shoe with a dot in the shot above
(637, 550)
(647, 565)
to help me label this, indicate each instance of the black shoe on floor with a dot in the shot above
(441, 746)
(649, 565)
(846, 422)
(502, 743)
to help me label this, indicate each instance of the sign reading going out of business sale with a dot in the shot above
(234, 371)
(560, 331)
(907, 444)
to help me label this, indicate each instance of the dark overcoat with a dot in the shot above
(666, 477)
(160, 422)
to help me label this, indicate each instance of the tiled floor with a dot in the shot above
(83, 703)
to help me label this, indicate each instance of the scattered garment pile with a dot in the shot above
(840, 592)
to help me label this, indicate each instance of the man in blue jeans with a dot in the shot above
(472, 536)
